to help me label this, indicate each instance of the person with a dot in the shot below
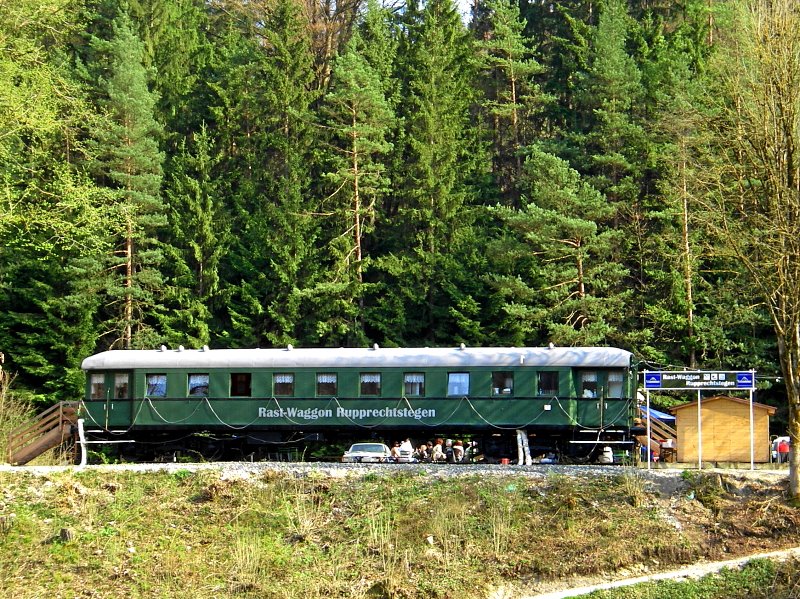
(783, 451)
(448, 451)
(471, 451)
(458, 451)
(395, 451)
(405, 451)
(421, 454)
(437, 454)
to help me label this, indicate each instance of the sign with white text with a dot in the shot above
(699, 379)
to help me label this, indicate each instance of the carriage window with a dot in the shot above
(414, 383)
(370, 383)
(615, 380)
(283, 384)
(97, 386)
(156, 385)
(121, 386)
(240, 384)
(326, 384)
(589, 384)
(548, 382)
(457, 383)
(198, 385)
(502, 383)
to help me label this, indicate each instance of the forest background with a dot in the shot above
(259, 173)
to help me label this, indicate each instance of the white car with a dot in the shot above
(367, 452)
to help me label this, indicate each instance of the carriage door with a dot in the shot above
(591, 404)
(118, 400)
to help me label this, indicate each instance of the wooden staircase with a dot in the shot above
(53, 427)
(663, 438)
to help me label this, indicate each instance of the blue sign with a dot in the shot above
(652, 380)
(699, 379)
(744, 380)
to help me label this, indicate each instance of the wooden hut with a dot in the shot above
(725, 430)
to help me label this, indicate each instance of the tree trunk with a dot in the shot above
(128, 332)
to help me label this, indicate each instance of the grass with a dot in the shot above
(89, 533)
(92, 533)
(13, 413)
(758, 579)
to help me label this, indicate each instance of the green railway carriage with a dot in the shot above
(568, 400)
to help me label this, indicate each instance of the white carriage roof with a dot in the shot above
(291, 358)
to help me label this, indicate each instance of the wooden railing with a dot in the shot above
(661, 430)
(51, 428)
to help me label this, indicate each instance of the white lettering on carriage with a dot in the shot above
(350, 414)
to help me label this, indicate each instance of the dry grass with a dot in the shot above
(122, 534)
(13, 413)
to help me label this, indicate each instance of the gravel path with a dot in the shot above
(694, 571)
(662, 476)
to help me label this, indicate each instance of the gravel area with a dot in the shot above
(665, 478)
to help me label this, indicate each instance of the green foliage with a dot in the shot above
(129, 162)
(199, 238)
(757, 579)
(437, 152)
(243, 173)
(568, 257)
(512, 99)
(263, 103)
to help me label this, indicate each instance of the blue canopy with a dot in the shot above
(657, 415)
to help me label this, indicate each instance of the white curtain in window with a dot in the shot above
(98, 386)
(121, 386)
(284, 378)
(615, 379)
(458, 383)
(416, 377)
(157, 385)
(326, 378)
(198, 384)
(370, 378)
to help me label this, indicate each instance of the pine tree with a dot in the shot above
(512, 97)
(129, 162)
(560, 33)
(198, 238)
(358, 121)
(612, 139)
(439, 148)
(560, 277)
(265, 123)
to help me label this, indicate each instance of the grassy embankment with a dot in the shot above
(110, 534)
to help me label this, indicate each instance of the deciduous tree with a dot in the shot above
(754, 208)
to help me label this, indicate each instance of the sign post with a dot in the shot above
(699, 380)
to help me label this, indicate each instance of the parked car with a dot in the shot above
(367, 452)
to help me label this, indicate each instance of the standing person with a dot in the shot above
(406, 449)
(783, 451)
(458, 451)
(437, 455)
